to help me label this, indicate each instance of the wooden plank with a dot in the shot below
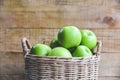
(109, 64)
(36, 14)
(110, 39)
(45, 19)
(13, 77)
(14, 36)
(2, 39)
(39, 20)
(37, 3)
(84, 18)
(109, 78)
(12, 63)
(12, 39)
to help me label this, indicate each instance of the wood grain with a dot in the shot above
(2, 39)
(12, 63)
(49, 2)
(56, 14)
(109, 78)
(11, 40)
(109, 64)
(12, 77)
(88, 18)
(40, 20)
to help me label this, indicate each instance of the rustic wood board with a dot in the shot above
(88, 18)
(56, 14)
(12, 63)
(11, 38)
(109, 78)
(13, 77)
(39, 20)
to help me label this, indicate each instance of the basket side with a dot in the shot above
(54, 68)
(44, 68)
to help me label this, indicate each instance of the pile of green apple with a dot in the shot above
(70, 42)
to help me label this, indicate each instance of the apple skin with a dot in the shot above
(60, 52)
(82, 51)
(40, 50)
(89, 39)
(54, 43)
(69, 36)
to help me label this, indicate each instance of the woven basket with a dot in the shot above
(56, 68)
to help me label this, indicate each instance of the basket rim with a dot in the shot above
(27, 46)
(65, 58)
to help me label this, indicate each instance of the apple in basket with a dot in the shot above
(89, 39)
(60, 52)
(70, 42)
(69, 36)
(54, 43)
(40, 50)
(82, 51)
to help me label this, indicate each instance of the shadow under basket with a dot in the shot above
(57, 68)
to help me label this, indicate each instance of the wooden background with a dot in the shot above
(40, 20)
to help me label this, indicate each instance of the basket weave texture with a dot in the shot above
(57, 68)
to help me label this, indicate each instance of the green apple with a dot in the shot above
(69, 36)
(54, 43)
(40, 50)
(89, 39)
(72, 49)
(82, 51)
(60, 52)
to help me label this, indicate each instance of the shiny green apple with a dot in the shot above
(89, 39)
(40, 50)
(69, 36)
(60, 52)
(82, 51)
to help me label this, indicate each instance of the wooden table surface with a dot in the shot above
(40, 20)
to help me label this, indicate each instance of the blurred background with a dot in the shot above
(40, 20)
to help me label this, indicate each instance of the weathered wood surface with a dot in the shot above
(11, 38)
(40, 20)
(57, 13)
(109, 78)
(12, 64)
